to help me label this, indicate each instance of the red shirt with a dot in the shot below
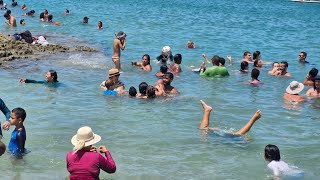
(86, 165)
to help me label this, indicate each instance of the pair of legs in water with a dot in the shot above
(206, 119)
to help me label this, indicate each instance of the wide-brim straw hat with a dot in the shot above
(295, 87)
(113, 72)
(86, 136)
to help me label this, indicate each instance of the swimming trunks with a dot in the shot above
(115, 59)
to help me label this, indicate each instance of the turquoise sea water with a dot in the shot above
(159, 139)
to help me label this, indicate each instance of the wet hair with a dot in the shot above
(314, 81)
(21, 21)
(31, 12)
(256, 55)
(85, 19)
(55, 75)
(6, 15)
(143, 88)
(148, 57)
(2, 148)
(244, 65)
(1, 2)
(67, 11)
(50, 17)
(132, 91)
(255, 73)
(100, 23)
(285, 63)
(8, 12)
(304, 53)
(272, 153)
(313, 72)
(177, 58)
(274, 63)
(215, 60)
(46, 11)
(255, 63)
(222, 61)
(163, 69)
(42, 15)
(108, 83)
(20, 113)
(169, 74)
(151, 92)
(246, 53)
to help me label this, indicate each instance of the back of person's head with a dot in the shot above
(255, 73)
(169, 74)
(42, 15)
(272, 153)
(108, 83)
(222, 61)
(21, 21)
(54, 74)
(313, 72)
(2, 148)
(244, 65)
(143, 88)
(215, 60)
(50, 17)
(163, 69)
(8, 12)
(246, 53)
(32, 11)
(151, 92)
(19, 113)
(132, 91)
(6, 15)
(285, 63)
(256, 55)
(177, 58)
(304, 53)
(255, 63)
(46, 11)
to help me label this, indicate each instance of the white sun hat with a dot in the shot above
(295, 87)
(84, 137)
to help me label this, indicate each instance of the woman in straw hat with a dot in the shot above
(292, 92)
(116, 84)
(85, 162)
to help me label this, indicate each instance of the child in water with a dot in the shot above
(278, 167)
(18, 137)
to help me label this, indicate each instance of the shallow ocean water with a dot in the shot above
(159, 138)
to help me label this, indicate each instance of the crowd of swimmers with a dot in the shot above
(44, 16)
(85, 162)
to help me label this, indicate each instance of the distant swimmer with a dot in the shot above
(205, 122)
(22, 22)
(315, 90)
(14, 3)
(67, 11)
(51, 78)
(11, 21)
(166, 54)
(312, 74)
(191, 45)
(144, 64)
(119, 44)
(30, 13)
(303, 57)
(85, 20)
(100, 25)
(254, 77)
(247, 57)
(24, 7)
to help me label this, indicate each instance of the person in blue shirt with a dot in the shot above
(6, 112)
(51, 79)
(18, 137)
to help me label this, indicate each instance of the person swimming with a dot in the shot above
(51, 78)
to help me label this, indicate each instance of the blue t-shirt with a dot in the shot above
(17, 142)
